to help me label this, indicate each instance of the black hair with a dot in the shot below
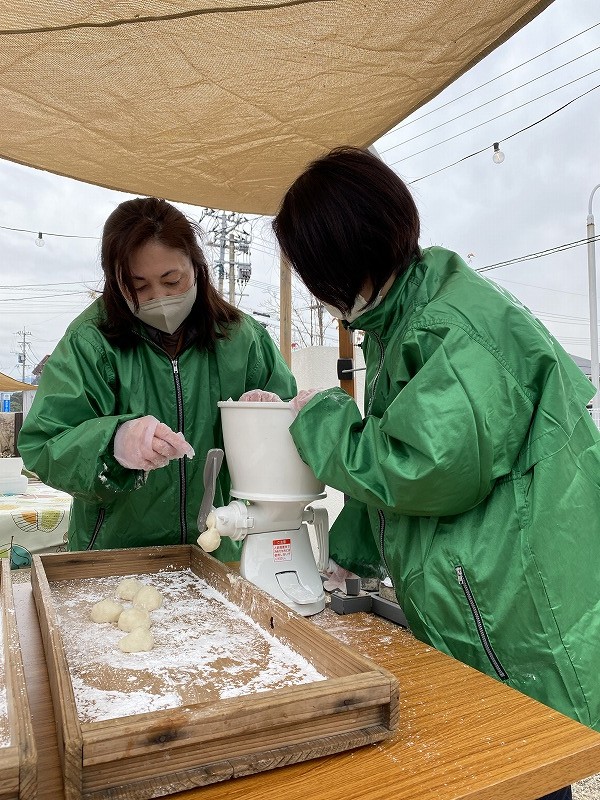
(347, 218)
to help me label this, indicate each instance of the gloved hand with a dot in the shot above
(260, 396)
(145, 443)
(302, 398)
(336, 577)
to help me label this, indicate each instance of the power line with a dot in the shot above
(493, 119)
(487, 83)
(544, 288)
(40, 297)
(494, 99)
(46, 233)
(40, 285)
(563, 319)
(504, 138)
(540, 254)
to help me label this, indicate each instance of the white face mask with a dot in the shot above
(165, 313)
(357, 309)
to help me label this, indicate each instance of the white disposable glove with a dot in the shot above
(260, 396)
(145, 443)
(336, 577)
(302, 398)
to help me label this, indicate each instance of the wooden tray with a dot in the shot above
(162, 752)
(17, 759)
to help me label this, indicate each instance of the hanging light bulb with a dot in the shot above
(498, 156)
(40, 240)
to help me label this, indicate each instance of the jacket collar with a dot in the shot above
(393, 306)
(410, 292)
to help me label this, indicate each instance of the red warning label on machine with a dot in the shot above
(282, 549)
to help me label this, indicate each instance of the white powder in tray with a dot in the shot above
(205, 649)
(4, 729)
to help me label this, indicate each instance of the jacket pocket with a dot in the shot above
(481, 631)
(97, 527)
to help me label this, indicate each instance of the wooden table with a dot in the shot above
(461, 734)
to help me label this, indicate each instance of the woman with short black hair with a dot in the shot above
(473, 477)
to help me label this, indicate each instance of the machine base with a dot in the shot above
(282, 564)
(371, 602)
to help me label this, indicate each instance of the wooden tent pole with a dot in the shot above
(285, 310)
(346, 351)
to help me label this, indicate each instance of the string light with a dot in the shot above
(498, 156)
(40, 240)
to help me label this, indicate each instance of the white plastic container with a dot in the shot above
(17, 484)
(10, 467)
(262, 458)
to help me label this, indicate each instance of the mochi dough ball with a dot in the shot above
(209, 540)
(128, 588)
(149, 598)
(133, 618)
(106, 611)
(138, 641)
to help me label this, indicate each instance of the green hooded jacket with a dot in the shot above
(89, 387)
(475, 481)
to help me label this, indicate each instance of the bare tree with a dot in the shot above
(311, 323)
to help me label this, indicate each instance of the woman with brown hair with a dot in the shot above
(130, 393)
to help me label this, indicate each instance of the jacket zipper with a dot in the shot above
(381, 516)
(181, 461)
(97, 526)
(379, 368)
(487, 645)
(180, 419)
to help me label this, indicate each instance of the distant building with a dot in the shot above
(37, 371)
(584, 364)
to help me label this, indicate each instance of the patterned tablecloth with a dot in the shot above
(37, 520)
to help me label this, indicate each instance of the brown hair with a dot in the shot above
(128, 227)
(348, 217)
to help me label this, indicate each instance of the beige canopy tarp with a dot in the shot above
(8, 384)
(222, 104)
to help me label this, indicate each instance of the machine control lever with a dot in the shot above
(212, 465)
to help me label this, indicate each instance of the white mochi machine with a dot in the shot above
(271, 489)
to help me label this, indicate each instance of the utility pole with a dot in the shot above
(320, 321)
(230, 232)
(232, 269)
(285, 309)
(22, 353)
(221, 264)
(320, 336)
(593, 301)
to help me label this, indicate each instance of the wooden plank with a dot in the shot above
(285, 310)
(315, 737)
(148, 752)
(274, 712)
(68, 729)
(346, 350)
(18, 762)
(50, 787)
(166, 781)
(62, 566)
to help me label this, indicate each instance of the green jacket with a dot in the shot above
(89, 387)
(475, 479)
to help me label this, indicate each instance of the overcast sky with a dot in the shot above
(489, 213)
